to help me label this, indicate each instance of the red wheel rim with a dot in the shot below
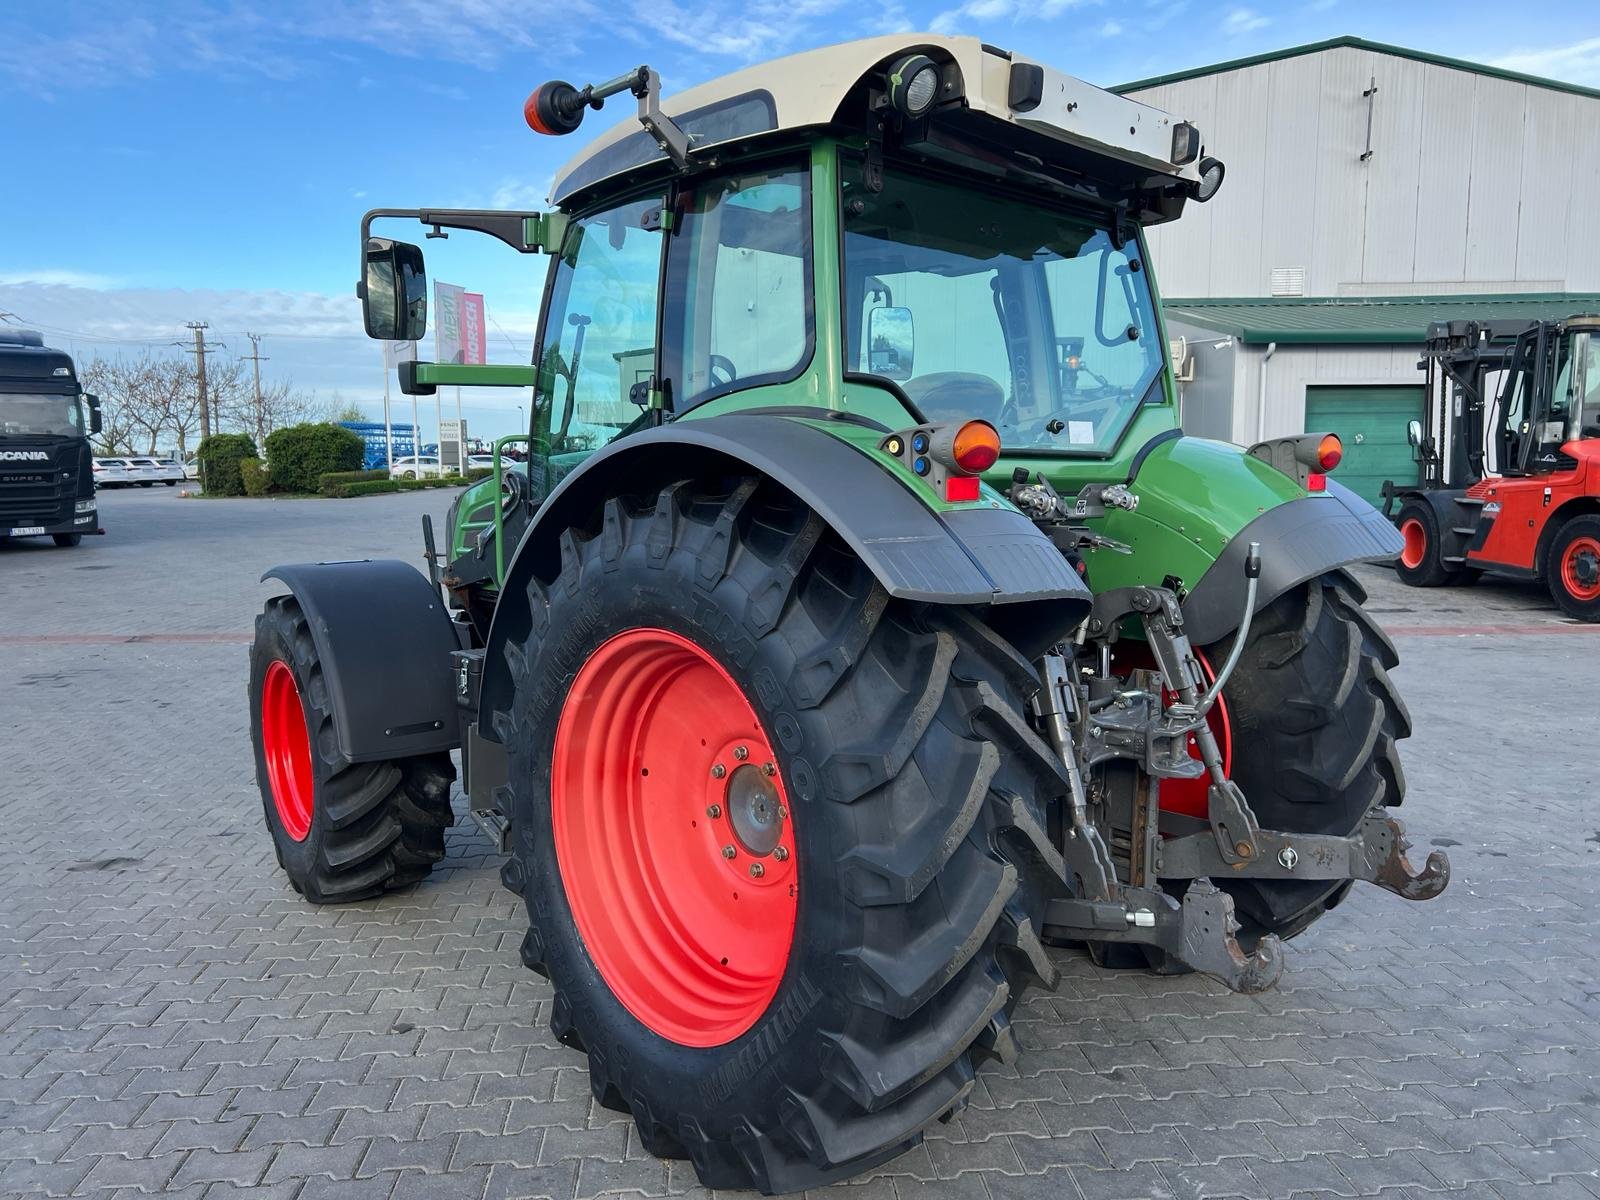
(1571, 569)
(1190, 797)
(1416, 547)
(287, 749)
(660, 768)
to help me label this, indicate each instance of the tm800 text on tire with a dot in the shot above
(817, 812)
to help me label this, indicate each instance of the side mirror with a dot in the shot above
(1414, 433)
(93, 402)
(891, 342)
(394, 295)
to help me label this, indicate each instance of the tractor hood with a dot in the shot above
(1050, 109)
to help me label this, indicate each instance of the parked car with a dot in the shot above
(480, 462)
(143, 471)
(412, 466)
(112, 472)
(170, 471)
(191, 468)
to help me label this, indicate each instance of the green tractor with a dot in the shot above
(859, 622)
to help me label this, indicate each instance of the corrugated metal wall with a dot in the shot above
(1475, 184)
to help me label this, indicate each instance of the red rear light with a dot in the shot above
(976, 447)
(958, 489)
(1330, 451)
(1316, 481)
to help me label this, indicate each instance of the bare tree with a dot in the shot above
(150, 400)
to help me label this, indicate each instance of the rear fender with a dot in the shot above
(986, 556)
(1300, 540)
(384, 640)
(1201, 503)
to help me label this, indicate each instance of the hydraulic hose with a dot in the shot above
(1252, 577)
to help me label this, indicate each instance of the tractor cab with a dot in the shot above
(891, 232)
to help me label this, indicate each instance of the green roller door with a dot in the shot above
(1371, 421)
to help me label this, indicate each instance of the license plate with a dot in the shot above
(27, 530)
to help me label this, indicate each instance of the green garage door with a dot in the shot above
(1372, 423)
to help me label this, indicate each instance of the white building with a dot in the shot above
(1370, 189)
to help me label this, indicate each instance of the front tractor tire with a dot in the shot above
(782, 840)
(342, 831)
(1314, 722)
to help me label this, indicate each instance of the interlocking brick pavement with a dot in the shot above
(175, 1021)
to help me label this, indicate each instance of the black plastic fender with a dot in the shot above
(981, 556)
(384, 639)
(1300, 539)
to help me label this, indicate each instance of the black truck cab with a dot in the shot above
(46, 472)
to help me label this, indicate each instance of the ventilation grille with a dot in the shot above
(1288, 281)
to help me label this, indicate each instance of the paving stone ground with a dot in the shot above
(175, 1021)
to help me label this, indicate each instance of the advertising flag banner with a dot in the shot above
(447, 323)
(395, 353)
(474, 335)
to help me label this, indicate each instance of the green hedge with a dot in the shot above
(301, 454)
(368, 487)
(220, 455)
(373, 487)
(253, 474)
(477, 473)
(330, 481)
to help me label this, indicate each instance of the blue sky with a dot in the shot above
(210, 159)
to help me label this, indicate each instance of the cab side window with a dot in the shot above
(599, 337)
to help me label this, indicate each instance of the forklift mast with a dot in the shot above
(1463, 361)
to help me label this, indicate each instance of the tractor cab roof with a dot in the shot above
(995, 108)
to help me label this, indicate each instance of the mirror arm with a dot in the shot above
(512, 228)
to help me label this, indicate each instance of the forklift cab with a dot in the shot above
(1550, 397)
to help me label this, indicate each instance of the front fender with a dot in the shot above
(981, 555)
(384, 640)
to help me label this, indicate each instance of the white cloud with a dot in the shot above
(1111, 29)
(967, 16)
(1578, 62)
(57, 276)
(1243, 20)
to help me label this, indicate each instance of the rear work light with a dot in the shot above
(1330, 452)
(948, 457)
(975, 447)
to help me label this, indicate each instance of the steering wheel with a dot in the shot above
(722, 363)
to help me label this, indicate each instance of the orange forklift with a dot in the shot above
(1508, 457)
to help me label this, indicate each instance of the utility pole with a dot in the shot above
(256, 360)
(199, 352)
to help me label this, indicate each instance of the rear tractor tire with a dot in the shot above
(782, 839)
(1315, 724)
(342, 831)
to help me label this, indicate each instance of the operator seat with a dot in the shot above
(956, 396)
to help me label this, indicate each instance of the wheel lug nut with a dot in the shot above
(728, 852)
(714, 810)
(783, 813)
(757, 870)
(718, 771)
(741, 753)
(781, 854)
(769, 769)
